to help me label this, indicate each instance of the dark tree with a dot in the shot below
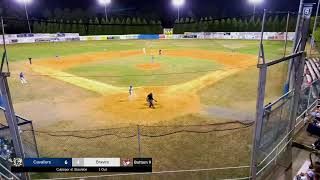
(74, 26)
(216, 26)
(240, 25)
(251, 25)
(269, 25)
(235, 27)
(37, 27)
(128, 29)
(258, 25)
(276, 24)
(55, 26)
(81, 29)
(283, 24)
(223, 25)
(62, 26)
(91, 29)
(68, 27)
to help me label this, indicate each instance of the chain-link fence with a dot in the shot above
(215, 150)
(27, 137)
(277, 154)
(277, 131)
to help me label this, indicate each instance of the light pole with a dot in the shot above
(25, 2)
(105, 3)
(255, 2)
(178, 4)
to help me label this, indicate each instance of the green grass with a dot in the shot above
(124, 71)
(240, 90)
(273, 49)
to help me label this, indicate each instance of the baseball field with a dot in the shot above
(77, 96)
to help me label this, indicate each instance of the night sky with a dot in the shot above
(163, 9)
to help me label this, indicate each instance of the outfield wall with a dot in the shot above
(63, 37)
(198, 35)
(35, 38)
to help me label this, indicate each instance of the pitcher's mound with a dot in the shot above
(149, 66)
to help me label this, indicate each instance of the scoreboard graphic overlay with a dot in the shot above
(82, 165)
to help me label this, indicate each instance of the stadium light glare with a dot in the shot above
(178, 4)
(255, 2)
(105, 3)
(25, 2)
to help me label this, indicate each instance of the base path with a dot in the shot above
(85, 83)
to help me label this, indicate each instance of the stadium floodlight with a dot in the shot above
(25, 2)
(105, 3)
(255, 2)
(178, 4)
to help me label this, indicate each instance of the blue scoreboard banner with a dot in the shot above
(82, 165)
(47, 162)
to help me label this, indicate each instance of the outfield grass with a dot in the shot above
(240, 91)
(16, 52)
(125, 71)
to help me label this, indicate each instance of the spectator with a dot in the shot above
(6, 149)
(302, 176)
(310, 173)
(306, 118)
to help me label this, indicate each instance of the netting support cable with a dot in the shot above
(139, 140)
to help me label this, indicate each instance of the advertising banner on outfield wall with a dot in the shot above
(61, 37)
(33, 38)
(239, 35)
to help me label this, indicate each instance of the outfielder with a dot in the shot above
(144, 51)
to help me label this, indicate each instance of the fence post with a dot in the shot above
(287, 29)
(309, 95)
(139, 141)
(35, 140)
(259, 121)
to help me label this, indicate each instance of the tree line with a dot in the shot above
(137, 25)
(208, 24)
(114, 26)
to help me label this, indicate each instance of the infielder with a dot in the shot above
(130, 90)
(30, 60)
(22, 79)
